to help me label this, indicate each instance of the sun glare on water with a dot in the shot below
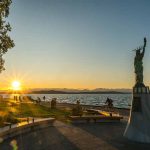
(16, 85)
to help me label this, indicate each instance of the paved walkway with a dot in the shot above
(92, 136)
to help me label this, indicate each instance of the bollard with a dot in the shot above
(32, 120)
(28, 120)
(10, 126)
(110, 114)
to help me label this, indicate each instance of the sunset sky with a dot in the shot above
(76, 43)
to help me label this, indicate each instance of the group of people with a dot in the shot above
(108, 101)
(53, 101)
(17, 98)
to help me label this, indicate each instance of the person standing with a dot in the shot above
(44, 98)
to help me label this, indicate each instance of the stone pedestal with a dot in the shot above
(138, 127)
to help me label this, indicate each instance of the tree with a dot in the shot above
(5, 40)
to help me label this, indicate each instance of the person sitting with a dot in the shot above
(77, 109)
(53, 103)
(38, 100)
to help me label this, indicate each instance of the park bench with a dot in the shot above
(100, 112)
(94, 118)
(95, 115)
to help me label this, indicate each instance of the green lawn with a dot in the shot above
(10, 111)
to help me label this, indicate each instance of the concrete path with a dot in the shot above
(61, 136)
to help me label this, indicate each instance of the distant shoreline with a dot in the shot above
(63, 92)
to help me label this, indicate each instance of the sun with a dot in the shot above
(16, 85)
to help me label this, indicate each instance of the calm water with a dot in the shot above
(120, 100)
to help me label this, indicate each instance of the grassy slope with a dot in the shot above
(10, 111)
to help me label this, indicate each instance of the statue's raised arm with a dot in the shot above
(145, 42)
(143, 52)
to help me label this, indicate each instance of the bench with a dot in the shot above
(94, 118)
(100, 112)
(93, 111)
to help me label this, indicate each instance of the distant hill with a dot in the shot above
(81, 92)
(71, 91)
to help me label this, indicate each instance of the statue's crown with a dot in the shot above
(138, 49)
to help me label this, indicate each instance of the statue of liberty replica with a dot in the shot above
(138, 65)
(138, 127)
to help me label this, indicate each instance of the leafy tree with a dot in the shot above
(5, 40)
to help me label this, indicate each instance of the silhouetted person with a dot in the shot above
(53, 103)
(78, 102)
(1, 97)
(109, 102)
(44, 98)
(20, 98)
(39, 100)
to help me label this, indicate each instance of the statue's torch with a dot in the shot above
(145, 42)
